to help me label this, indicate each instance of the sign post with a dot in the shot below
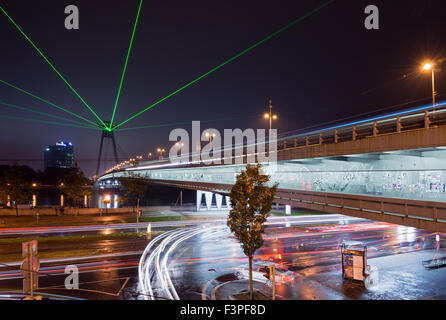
(30, 268)
(272, 272)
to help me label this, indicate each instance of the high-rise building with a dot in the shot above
(60, 155)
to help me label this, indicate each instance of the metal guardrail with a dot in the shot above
(418, 118)
(430, 215)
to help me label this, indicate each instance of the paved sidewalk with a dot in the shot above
(226, 290)
(308, 290)
(401, 277)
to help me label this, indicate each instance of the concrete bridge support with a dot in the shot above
(205, 199)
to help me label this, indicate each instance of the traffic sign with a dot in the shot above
(29, 246)
(30, 267)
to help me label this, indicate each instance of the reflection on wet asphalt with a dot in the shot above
(308, 246)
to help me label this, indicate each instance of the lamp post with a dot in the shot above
(179, 145)
(210, 136)
(160, 151)
(430, 66)
(270, 115)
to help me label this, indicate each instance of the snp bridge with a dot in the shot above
(389, 168)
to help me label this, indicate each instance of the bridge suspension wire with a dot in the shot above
(228, 61)
(51, 65)
(121, 151)
(47, 122)
(125, 65)
(44, 114)
(46, 101)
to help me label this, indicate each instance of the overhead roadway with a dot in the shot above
(396, 175)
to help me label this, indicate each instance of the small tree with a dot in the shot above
(134, 187)
(74, 186)
(15, 184)
(251, 200)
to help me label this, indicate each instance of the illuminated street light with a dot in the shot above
(270, 116)
(107, 198)
(210, 136)
(426, 67)
(160, 151)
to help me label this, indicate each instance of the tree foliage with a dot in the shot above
(15, 183)
(75, 186)
(251, 199)
(134, 187)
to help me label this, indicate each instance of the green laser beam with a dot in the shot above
(45, 122)
(44, 114)
(228, 61)
(182, 123)
(188, 122)
(51, 65)
(125, 65)
(47, 102)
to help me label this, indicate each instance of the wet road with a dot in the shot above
(203, 255)
(308, 246)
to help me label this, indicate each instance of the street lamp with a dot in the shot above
(106, 201)
(210, 136)
(160, 151)
(270, 115)
(149, 155)
(426, 67)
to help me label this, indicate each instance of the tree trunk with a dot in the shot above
(251, 293)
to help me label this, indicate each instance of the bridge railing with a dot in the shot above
(422, 214)
(414, 119)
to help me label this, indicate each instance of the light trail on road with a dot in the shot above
(154, 265)
(121, 226)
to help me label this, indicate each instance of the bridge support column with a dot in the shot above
(208, 200)
(228, 202)
(199, 193)
(208, 196)
(219, 199)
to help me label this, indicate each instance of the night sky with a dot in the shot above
(327, 67)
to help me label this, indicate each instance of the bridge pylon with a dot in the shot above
(106, 134)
